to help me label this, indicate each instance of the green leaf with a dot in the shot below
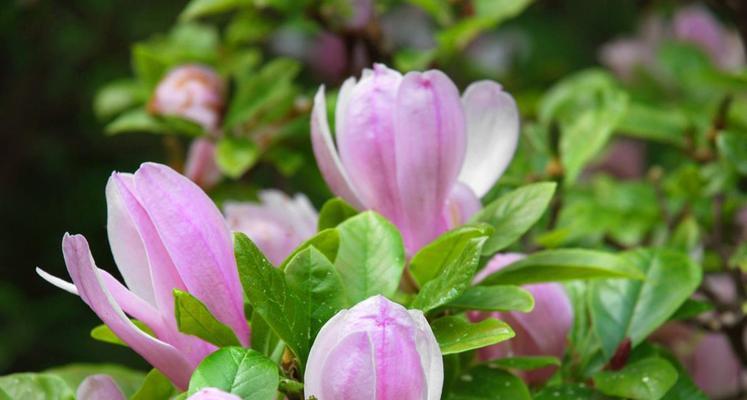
(137, 120)
(527, 363)
(562, 265)
(654, 123)
(235, 156)
(269, 294)
(264, 340)
(149, 66)
(439, 10)
(371, 256)
(194, 318)
(243, 372)
(733, 147)
(156, 386)
(102, 333)
(202, 8)
(456, 335)
(633, 309)
(313, 277)
(648, 379)
(691, 308)
(31, 386)
(456, 271)
(512, 214)
(567, 392)
(430, 261)
(588, 107)
(127, 379)
(334, 212)
(494, 298)
(484, 383)
(326, 241)
(118, 96)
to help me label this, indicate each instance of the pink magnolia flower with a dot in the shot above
(708, 358)
(375, 350)
(411, 149)
(213, 394)
(201, 167)
(277, 224)
(193, 92)
(98, 387)
(165, 234)
(540, 332)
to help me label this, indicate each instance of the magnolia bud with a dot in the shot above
(375, 350)
(193, 92)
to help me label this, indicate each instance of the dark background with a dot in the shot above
(54, 159)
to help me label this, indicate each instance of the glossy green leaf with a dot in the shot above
(137, 120)
(512, 214)
(691, 308)
(202, 8)
(31, 386)
(494, 298)
(654, 123)
(267, 291)
(334, 212)
(567, 392)
(155, 387)
(314, 279)
(371, 256)
(102, 333)
(127, 379)
(457, 268)
(483, 383)
(243, 372)
(429, 262)
(648, 379)
(118, 96)
(456, 335)
(562, 265)
(235, 156)
(327, 242)
(634, 308)
(526, 363)
(264, 339)
(194, 318)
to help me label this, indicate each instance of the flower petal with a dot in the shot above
(430, 146)
(197, 239)
(430, 355)
(493, 133)
(201, 167)
(365, 137)
(92, 290)
(213, 394)
(462, 204)
(125, 241)
(98, 387)
(349, 371)
(326, 155)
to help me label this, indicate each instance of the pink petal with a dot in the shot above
(715, 368)
(365, 138)
(326, 155)
(99, 387)
(462, 204)
(493, 133)
(201, 167)
(496, 263)
(213, 394)
(92, 290)
(349, 371)
(196, 237)
(430, 147)
(430, 355)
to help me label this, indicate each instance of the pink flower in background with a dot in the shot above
(411, 149)
(99, 387)
(708, 358)
(200, 166)
(165, 234)
(213, 394)
(375, 350)
(540, 332)
(193, 92)
(277, 224)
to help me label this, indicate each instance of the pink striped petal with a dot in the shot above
(430, 355)
(430, 147)
(99, 387)
(492, 135)
(196, 237)
(213, 394)
(366, 139)
(349, 371)
(200, 166)
(462, 204)
(326, 154)
(92, 290)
